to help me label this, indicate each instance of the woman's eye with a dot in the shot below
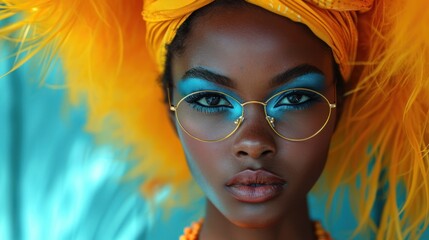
(214, 101)
(208, 100)
(293, 99)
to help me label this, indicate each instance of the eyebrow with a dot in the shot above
(282, 78)
(294, 72)
(200, 72)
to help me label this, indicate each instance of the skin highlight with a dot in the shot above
(250, 47)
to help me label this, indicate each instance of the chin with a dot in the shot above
(255, 221)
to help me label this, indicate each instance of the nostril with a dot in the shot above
(266, 153)
(242, 154)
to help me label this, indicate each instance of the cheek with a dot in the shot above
(312, 155)
(206, 161)
(306, 160)
(310, 159)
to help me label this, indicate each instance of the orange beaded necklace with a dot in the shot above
(191, 233)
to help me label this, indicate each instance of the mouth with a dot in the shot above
(255, 186)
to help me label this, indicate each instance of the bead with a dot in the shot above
(191, 233)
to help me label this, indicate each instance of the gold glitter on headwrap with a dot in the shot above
(339, 5)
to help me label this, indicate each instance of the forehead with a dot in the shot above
(250, 46)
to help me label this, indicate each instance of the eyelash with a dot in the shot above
(312, 98)
(193, 102)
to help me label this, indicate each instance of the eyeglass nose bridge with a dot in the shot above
(240, 120)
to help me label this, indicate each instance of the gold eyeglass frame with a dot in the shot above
(240, 120)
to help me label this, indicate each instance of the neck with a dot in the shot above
(296, 224)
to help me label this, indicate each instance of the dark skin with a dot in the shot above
(250, 46)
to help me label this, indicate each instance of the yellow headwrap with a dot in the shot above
(381, 142)
(332, 21)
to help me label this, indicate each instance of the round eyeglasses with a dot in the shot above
(296, 114)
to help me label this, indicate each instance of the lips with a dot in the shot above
(255, 186)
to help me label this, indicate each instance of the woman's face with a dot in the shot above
(254, 178)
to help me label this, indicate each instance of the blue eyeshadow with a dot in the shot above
(313, 81)
(190, 85)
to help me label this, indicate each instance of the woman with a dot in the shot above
(255, 181)
(255, 94)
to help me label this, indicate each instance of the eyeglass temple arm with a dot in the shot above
(172, 107)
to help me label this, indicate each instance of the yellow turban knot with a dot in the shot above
(333, 21)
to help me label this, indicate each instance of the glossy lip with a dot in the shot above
(255, 186)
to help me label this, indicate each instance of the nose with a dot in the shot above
(254, 138)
